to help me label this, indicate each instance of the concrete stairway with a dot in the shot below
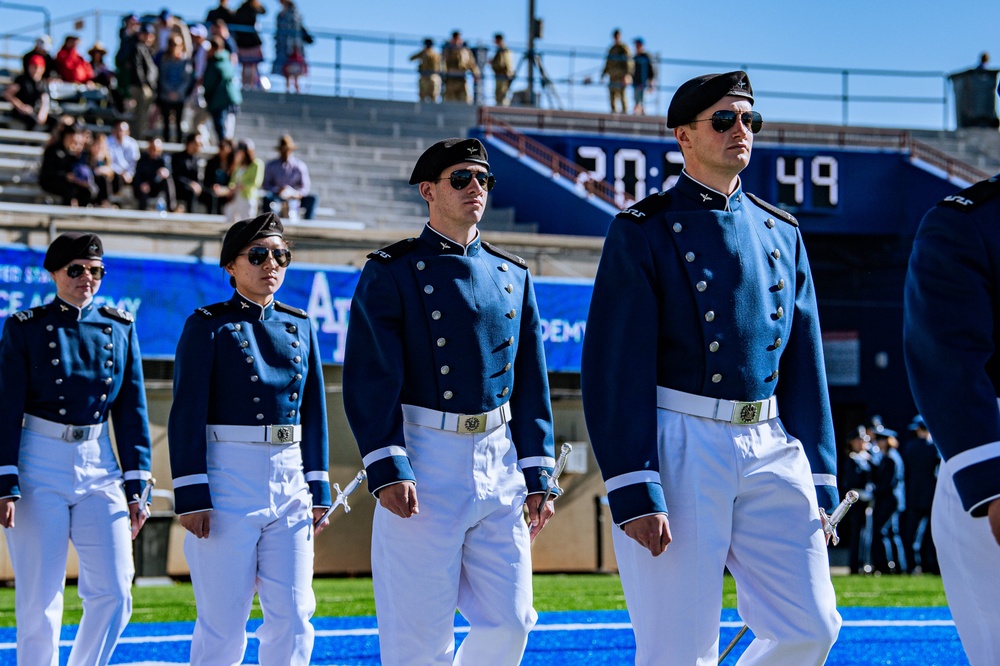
(978, 147)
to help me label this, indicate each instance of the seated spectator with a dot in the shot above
(99, 160)
(286, 183)
(124, 152)
(104, 76)
(174, 84)
(28, 96)
(42, 47)
(60, 175)
(186, 167)
(244, 183)
(72, 66)
(218, 170)
(152, 177)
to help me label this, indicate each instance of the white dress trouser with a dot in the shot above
(742, 497)
(260, 538)
(70, 492)
(969, 558)
(467, 548)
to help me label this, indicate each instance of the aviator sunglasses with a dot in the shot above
(258, 255)
(76, 270)
(461, 179)
(722, 121)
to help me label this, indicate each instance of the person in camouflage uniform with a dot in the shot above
(618, 69)
(503, 69)
(429, 68)
(457, 61)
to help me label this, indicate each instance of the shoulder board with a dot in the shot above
(210, 311)
(117, 313)
(36, 312)
(394, 251)
(281, 307)
(971, 197)
(641, 210)
(504, 254)
(773, 210)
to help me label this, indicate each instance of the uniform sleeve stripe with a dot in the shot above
(8, 469)
(191, 480)
(537, 461)
(824, 480)
(974, 456)
(139, 475)
(318, 476)
(385, 452)
(630, 479)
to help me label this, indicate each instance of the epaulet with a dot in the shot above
(296, 312)
(639, 211)
(773, 210)
(117, 313)
(504, 254)
(972, 197)
(210, 311)
(394, 251)
(33, 313)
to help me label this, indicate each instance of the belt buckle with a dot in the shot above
(282, 434)
(746, 413)
(74, 433)
(472, 423)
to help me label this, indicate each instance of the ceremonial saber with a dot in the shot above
(830, 529)
(146, 497)
(552, 480)
(342, 496)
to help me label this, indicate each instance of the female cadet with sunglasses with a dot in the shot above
(248, 453)
(65, 367)
(682, 403)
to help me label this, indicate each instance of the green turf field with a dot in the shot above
(353, 596)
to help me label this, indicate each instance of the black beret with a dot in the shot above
(701, 92)
(243, 232)
(444, 154)
(72, 245)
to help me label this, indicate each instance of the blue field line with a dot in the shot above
(869, 637)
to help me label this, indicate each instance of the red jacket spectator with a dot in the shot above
(73, 67)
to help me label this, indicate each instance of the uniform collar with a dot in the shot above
(64, 309)
(706, 196)
(445, 245)
(251, 309)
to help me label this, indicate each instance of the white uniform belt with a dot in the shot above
(68, 433)
(463, 423)
(264, 434)
(733, 411)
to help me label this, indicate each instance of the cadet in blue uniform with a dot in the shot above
(702, 326)
(921, 461)
(249, 455)
(951, 338)
(888, 474)
(65, 368)
(446, 391)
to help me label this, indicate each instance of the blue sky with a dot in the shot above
(916, 35)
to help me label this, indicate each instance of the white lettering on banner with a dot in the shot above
(130, 305)
(10, 273)
(10, 302)
(329, 314)
(559, 330)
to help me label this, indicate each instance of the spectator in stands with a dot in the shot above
(289, 46)
(503, 69)
(196, 99)
(222, 12)
(59, 174)
(888, 555)
(128, 37)
(41, 48)
(168, 27)
(221, 29)
(175, 80)
(98, 159)
(984, 61)
(429, 69)
(152, 178)
(643, 76)
(28, 96)
(457, 61)
(218, 171)
(104, 76)
(618, 68)
(248, 42)
(72, 66)
(222, 91)
(124, 153)
(243, 189)
(186, 166)
(286, 183)
(921, 461)
(144, 79)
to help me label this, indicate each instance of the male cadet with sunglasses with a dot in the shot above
(701, 328)
(441, 326)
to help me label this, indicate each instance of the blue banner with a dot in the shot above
(162, 292)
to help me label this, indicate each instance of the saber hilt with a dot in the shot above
(342, 496)
(552, 488)
(838, 514)
(146, 497)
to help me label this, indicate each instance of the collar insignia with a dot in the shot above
(63, 308)
(243, 304)
(445, 246)
(705, 197)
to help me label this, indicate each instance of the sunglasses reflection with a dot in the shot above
(462, 178)
(258, 255)
(76, 270)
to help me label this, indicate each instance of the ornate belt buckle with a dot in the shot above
(746, 413)
(472, 423)
(74, 433)
(282, 434)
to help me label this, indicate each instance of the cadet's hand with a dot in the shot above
(196, 523)
(994, 518)
(318, 512)
(651, 532)
(136, 519)
(7, 512)
(538, 514)
(400, 498)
